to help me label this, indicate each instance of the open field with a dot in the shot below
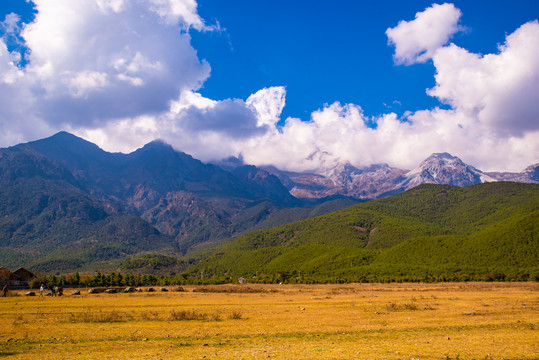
(357, 321)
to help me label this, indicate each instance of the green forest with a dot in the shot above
(485, 232)
(431, 233)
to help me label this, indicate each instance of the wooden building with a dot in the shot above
(20, 277)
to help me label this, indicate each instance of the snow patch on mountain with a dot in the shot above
(444, 168)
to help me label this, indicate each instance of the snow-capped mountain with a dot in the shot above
(528, 175)
(443, 168)
(364, 183)
(380, 180)
(343, 179)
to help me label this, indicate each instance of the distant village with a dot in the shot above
(19, 278)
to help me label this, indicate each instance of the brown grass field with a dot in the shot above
(356, 321)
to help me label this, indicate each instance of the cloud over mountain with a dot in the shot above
(91, 61)
(122, 73)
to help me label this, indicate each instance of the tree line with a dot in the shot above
(114, 279)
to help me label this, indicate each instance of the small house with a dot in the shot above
(20, 277)
(24, 274)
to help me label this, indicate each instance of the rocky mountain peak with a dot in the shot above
(444, 168)
(341, 173)
(157, 144)
(441, 160)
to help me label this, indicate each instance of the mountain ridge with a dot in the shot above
(65, 191)
(64, 197)
(381, 180)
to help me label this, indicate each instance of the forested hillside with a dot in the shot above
(67, 205)
(432, 232)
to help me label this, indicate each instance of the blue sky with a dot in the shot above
(335, 51)
(299, 84)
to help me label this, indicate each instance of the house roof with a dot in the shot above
(23, 273)
(6, 274)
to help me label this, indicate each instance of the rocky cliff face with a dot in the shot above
(44, 210)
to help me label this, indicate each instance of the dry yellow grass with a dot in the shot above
(357, 321)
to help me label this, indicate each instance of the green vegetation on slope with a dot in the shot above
(67, 205)
(49, 224)
(432, 232)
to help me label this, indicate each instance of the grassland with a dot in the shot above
(355, 321)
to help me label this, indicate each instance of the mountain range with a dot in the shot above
(66, 204)
(381, 180)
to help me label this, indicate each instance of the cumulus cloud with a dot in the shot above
(268, 104)
(417, 40)
(230, 117)
(122, 73)
(491, 123)
(205, 128)
(500, 90)
(492, 120)
(93, 61)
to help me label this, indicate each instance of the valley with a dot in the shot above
(66, 205)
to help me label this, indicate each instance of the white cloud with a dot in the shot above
(206, 128)
(122, 73)
(269, 104)
(492, 123)
(10, 26)
(9, 73)
(82, 83)
(178, 11)
(500, 90)
(418, 40)
(94, 61)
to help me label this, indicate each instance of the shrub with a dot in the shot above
(236, 315)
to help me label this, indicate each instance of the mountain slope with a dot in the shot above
(366, 183)
(183, 197)
(141, 178)
(66, 203)
(528, 175)
(431, 229)
(48, 221)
